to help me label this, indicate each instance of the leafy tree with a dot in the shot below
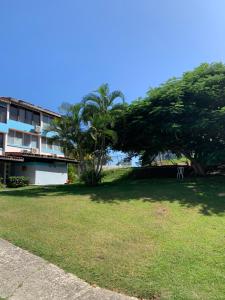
(71, 134)
(85, 130)
(100, 109)
(184, 115)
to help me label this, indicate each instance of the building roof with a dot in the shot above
(11, 158)
(39, 157)
(28, 105)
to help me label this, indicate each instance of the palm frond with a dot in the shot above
(93, 98)
(116, 94)
(111, 134)
(103, 90)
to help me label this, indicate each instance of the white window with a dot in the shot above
(34, 141)
(43, 143)
(22, 139)
(49, 144)
(11, 137)
(57, 146)
(18, 138)
(27, 140)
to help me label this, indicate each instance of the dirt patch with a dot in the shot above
(161, 211)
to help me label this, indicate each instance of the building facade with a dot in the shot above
(26, 147)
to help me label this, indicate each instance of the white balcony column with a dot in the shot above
(39, 144)
(8, 109)
(41, 120)
(5, 142)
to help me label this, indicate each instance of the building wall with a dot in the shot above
(42, 173)
(52, 173)
(26, 128)
(25, 169)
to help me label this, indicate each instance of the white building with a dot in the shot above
(26, 147)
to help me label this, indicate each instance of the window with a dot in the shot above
(48, 144)
(57, 146)
(29, 117)
(1, 140)
(3, 112)
(11, 137)
(43, 143)
(13, 113)
(27, 140)
(18, 138)
(46, 120)
(21, 139)
(36, 118)
(24, 115)
(34, 141)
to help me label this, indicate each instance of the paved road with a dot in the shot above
(24, 276)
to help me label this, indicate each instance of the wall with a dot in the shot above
(27, 128)
(41, 173)
(52, 173)
(25, 169)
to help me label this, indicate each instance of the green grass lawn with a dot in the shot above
(146, 238)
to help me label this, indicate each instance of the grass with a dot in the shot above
(174, 161)
(145, 238)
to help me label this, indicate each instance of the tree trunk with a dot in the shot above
(198, 168)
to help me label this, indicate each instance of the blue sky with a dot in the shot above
(54, 51)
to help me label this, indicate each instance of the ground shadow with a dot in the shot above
(207, 193)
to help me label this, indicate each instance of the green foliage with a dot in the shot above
(91, 178)
(72, 173)
(99, 115)
(17, 181)
(86, 130)
(1, 183)
(184, 115)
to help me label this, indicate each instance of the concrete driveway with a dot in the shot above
(24, 276)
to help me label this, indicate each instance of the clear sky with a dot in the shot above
(54, 51)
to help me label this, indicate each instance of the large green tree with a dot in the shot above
(100, 109)
(184, 115)
(70, 133)
(86, 130)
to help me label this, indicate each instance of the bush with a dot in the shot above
(17, 181)
(90, 178)
(1, 182)
(158, 172)
(72, 173)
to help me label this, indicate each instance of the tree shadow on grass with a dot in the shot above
(206, 193)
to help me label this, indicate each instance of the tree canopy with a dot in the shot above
(184, 115)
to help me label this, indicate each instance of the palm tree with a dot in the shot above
(99, 112)
(70, 134)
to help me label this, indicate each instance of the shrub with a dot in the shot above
(17, 181)
(90, 178)
(158, 172)
(72, 173)
(1, 182)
